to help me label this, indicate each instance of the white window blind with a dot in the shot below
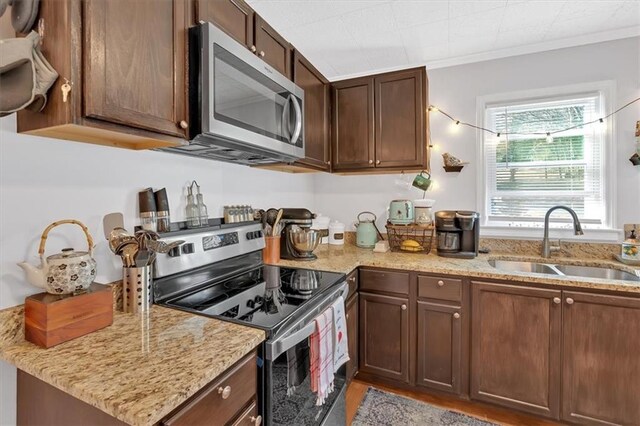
(526, 174)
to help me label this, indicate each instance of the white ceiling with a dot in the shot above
(350, 37)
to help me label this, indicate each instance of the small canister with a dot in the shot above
(423, 211)
(336, 233)
(321, 223)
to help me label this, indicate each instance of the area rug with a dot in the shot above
(382, 408)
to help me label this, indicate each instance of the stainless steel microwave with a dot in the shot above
(241, 109)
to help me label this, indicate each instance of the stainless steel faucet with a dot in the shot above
(547, 249)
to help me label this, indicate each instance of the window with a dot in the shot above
(526, 171)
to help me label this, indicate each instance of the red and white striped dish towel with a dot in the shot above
(321, 351)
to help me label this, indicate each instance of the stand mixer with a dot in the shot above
(298, 240)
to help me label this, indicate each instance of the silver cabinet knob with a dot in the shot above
(257, 421)
(370, 161)
(328, 163)
(225, 392)
(569, 301)
(261, 53)
(556, 300)
(184, 124)
(352, 279)
(440, 283)
(377, 161)
(253, 49)
(403, 307)
(456, 315)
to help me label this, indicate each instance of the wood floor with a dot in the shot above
(358, 388)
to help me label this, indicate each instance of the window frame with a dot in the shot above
(606, 89)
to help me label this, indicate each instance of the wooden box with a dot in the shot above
(51, 319)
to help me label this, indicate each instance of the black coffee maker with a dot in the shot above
(458, 233)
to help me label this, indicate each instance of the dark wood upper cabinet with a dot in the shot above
(439, 347)
(384, 336)
(234, 17)
(352, 126)
(126, 64)
(352, 306)
(400, 115)
(316, 112)
(516, 347)
(134, 54)
(272, 47)
(380, 122)
(601, 359)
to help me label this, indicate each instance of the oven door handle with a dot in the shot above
(277, 347)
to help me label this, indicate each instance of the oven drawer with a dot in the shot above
(440, 288)
(223, 400)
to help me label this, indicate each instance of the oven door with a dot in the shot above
(244, 99)
(296, 405)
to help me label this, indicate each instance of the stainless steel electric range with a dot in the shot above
(218, 272)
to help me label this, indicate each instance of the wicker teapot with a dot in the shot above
(63, 273)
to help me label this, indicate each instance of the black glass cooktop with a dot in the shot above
(263, 297)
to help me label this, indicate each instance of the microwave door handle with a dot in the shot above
(277, 348)
(285, 123)
(298, 127)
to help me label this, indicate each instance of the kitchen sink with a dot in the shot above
(514, 266)
(570, 270)
(596, 272)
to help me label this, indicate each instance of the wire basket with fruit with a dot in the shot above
(410, 238)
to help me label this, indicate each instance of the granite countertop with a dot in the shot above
(346, 258)
(140, 368)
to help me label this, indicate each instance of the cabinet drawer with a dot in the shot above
(224, 399)
(249, 417)
(352, 281)
(440, 288)
(384, 281)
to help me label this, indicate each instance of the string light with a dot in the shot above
(548, 135)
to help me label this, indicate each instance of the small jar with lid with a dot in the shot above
(336, 233)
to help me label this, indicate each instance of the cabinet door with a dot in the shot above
(316, 112)
(384, 336)
(135, 59)
(439, 346)
(272, 47)
(234, 17)
(400, 116)
(601, 359)
(352, 144)
(515, 349)
(352, 335)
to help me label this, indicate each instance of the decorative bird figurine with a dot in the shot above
(450, 160)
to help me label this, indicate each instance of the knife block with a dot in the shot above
(50, 319)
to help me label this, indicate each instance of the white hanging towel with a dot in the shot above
(340, 338)
(321, 350)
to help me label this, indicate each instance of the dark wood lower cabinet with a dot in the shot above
(516, 347)
(352, 334)
(384, 336)
(601, 359)
(439, 347)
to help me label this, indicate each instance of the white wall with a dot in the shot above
(455, 89)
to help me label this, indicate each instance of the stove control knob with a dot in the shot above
(251, 304)
(188, 248)
(249, 235)
(258, 234)
(174, 252)
(258, 300)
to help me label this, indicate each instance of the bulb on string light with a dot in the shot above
(549, 137)
(432, 108)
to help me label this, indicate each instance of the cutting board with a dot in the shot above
(51, 319)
